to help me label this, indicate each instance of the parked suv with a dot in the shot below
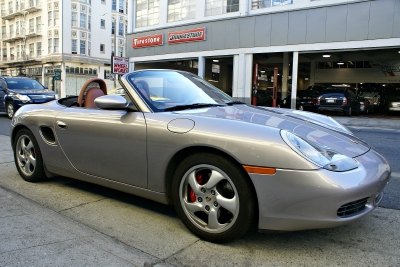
(18, 91)
(339, 99)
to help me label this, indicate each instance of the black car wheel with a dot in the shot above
(214, 197)
(27, 157)
(10, 110)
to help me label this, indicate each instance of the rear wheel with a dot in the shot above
(10, 110)
(213, 197)
(27, 157)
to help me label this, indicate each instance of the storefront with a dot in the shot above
(363, 36)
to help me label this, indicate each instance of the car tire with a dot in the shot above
(27, 156)
(348, 112)
(10, 109)
(214, 197)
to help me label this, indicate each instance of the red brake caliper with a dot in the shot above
(192, 194)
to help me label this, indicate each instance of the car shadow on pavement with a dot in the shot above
(115, 195)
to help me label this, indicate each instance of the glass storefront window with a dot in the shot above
(147, 12)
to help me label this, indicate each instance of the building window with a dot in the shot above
(103, 1)
(74, 22)
(89, 18)
(55, 43)
(56, 17)
(4, 53)
(31, 25)
(102, 23)
(112, 27)
(89, 46)
(11, 30)
(147, 12)
(49, 18)
(49, 42)
(181, 10)
(257, 4)
(39, 24)
(10, 7)
(31, 50)
(82, 47)
(218, 7)
(121, 29)
(12, 53)
(120, 51)
(121, 6)
(82, 21)
(38, 48)
(102, 48)
(114, 5)
(73, 46)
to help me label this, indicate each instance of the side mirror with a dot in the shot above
(111, 102)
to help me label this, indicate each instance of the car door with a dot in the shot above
(2, 94)
(109, 144)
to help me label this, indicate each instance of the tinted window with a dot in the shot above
(23, 84)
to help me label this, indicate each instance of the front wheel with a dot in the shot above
(10, 110)
(27, 157)
(348, 112)
(214, 197)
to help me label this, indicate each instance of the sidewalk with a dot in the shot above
(384, 122)
(33, 235)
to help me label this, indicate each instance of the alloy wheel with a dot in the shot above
(10, 110)
(26, 155)
(209, 198)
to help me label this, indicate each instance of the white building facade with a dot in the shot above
(62, 43)
(245, 39)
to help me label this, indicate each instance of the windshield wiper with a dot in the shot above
(191, 106)
(234, 103)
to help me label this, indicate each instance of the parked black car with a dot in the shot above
(18, 91)
(305, 100)
(339, 99)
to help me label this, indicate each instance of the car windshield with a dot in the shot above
(23, 84)
(168, 90)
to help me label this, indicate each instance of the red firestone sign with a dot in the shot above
(149, 40)
(187, 36)
(120, 65)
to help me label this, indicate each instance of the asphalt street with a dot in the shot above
(65, 222)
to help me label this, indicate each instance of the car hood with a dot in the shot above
(312, 127)
(33, 92)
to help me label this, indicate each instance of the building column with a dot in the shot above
(285, 74)
(242, 77)
(294, 79)
(201, 67)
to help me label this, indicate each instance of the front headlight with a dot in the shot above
(321, 156)
(23, 98)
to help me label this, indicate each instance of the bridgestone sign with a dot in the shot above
(187, 36)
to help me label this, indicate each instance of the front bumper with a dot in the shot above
(294, 200)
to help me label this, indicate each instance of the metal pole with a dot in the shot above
(115, 47)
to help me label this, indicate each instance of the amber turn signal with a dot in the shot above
(259, 170)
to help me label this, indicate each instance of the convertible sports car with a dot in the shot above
(223, 164)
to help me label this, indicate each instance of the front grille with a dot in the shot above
(41, 96)
(352, 208)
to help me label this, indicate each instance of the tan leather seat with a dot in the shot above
(89, 94)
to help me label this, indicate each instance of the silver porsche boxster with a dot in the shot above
(223, 164)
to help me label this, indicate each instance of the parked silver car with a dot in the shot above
(176, 139)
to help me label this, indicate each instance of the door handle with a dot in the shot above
(62, 125)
